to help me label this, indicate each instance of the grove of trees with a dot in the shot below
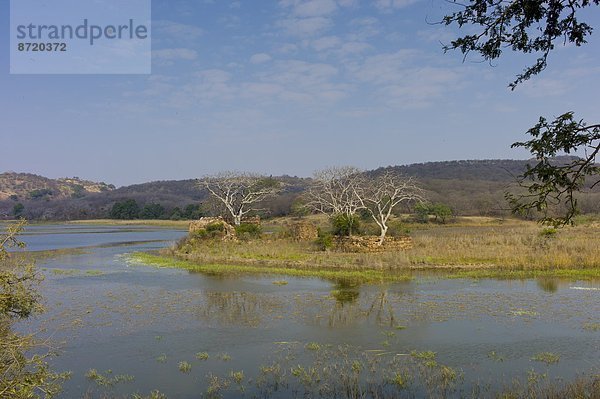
(341, 192)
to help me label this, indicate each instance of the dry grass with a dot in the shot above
(469, 244)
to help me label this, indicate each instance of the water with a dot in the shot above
(109, 314)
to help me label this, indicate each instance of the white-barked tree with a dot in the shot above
(239, 192)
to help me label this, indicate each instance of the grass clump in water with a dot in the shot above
(546, 357)
(202, 356)
(313, 346)
(426, 355)
(185, 367)
(106, 379)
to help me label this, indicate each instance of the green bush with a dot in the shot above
(247, 231)
(324, 240)
(213, 230)
(397, 229)
(345, 225)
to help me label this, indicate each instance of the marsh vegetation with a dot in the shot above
(126, 330)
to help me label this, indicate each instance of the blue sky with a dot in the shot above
(285, 87)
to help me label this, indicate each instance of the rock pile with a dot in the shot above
(302, 231)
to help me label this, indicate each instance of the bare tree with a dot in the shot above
(380, 195)
(334, 192)
(240, 192)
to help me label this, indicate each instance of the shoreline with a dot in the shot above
(364, 275)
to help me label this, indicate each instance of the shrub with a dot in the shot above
(397, 229)
(344, 225)
(213, 230)
(324, 240)
(248, 230)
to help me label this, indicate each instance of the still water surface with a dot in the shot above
(110, 314)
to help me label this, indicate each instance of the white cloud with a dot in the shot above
(325, 43)
(310, 8)
(176, 30)
(305, 27)
(400, 80)
(384, 68)
(175, 54)
(260, 58)
(389, 5)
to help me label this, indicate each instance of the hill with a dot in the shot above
(26, 186)
(472, 187)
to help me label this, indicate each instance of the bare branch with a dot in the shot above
(240, 192)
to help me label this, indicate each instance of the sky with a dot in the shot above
(286, 87)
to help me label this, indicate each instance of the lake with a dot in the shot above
(143, 328)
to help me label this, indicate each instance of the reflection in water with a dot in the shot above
(547, 284)
(346, 291)
(237, 308)
(376, 309)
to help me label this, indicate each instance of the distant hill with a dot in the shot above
(26, 186)
(473, 187)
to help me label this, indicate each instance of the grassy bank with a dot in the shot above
(227, 269)
(471, 248)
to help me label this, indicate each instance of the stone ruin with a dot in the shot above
(251, 220)
(302, 231)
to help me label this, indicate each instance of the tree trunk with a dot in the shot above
(382, 235)
(237, 220)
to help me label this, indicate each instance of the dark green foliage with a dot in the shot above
(41, 193)
(193, 211)
(176, 214)
(324, 240)
(125, 210)
(248, 230)
(18, 209)
(213, 230)
(345, 225)
(397, 229)
(422, 212)
(441, 212)
(152, 211)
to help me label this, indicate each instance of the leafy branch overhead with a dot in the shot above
(553, 181)
(526, 26)
(535, 26)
